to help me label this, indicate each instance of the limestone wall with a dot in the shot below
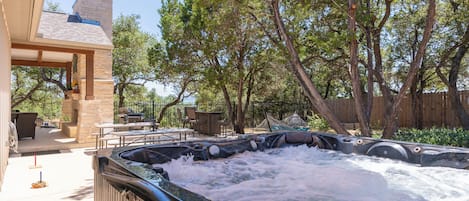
(84, 114)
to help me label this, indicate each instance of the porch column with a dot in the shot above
(89, 76)
(68, 69)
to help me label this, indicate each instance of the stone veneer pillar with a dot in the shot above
(101, 109)
(86, 113)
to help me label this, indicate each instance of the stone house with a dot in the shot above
(81, 43)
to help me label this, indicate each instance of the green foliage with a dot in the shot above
(29, 92)
(317, 122)
(439, 136)
(221, 43)
(130, 67)
(218, 44)
(53, 6)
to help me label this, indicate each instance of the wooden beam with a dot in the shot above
(89, 77)
(39, 56)
(69, 75)
(36, 63)
(50, 48)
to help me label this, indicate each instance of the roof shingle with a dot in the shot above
(56, 26)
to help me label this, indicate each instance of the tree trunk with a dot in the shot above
(390, 126)
(416, 88)
(453, 93)
(28, 95)
(416, 92)
(120, 94)
(297, 68)
(58, 82)
(413, 96)
(391, 121)
(451, 81)
(239, 126)
(248, 94)
(226, 96)
(354, 74)
(328, 87)
(175, 101)
(378, 67)
(369, 54)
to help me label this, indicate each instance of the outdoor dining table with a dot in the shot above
(113, 126)
(145, 134)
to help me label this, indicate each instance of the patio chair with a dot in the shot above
(26, 125)
(224, 124)
(184, 120)
(191, 117)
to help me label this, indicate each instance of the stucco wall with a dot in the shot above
(5, 72)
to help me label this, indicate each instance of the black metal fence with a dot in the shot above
(255, 114)
(152, 109)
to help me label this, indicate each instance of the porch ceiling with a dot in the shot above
(22, 17)
(48, 48)
(41, 56)
(28, 24)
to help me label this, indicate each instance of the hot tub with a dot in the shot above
(144, 171)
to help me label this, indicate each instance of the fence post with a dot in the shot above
(153, 109)
(253, 114)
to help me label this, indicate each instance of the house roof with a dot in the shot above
(65, 27)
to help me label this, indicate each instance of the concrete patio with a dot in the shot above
(63, 163)
(69, 176)
(66, 166)
(49, 139)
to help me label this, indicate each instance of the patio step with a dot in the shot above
(69, 129)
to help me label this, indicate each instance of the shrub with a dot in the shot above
(439, 136)
(317, 122)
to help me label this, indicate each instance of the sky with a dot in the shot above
(149, 21)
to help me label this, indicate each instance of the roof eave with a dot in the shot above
(68, 44)
(35, 19)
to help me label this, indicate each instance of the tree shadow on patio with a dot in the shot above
(84, 192)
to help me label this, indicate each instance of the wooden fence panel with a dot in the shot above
(406, 114)
(432, 109)
(437, 110)
(344, 109)
(452, 119)
(377, 112)
(450, 116)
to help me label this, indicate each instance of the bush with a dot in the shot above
(317, 122)
(439, 136)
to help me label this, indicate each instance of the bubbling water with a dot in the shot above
(302, 173)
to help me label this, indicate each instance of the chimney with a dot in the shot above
(99, 10)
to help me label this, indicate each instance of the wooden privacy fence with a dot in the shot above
(437, 110)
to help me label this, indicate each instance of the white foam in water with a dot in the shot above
(302, 173)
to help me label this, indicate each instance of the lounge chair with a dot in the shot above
(26, 125)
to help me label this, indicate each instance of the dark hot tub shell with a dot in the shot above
(132, 168)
